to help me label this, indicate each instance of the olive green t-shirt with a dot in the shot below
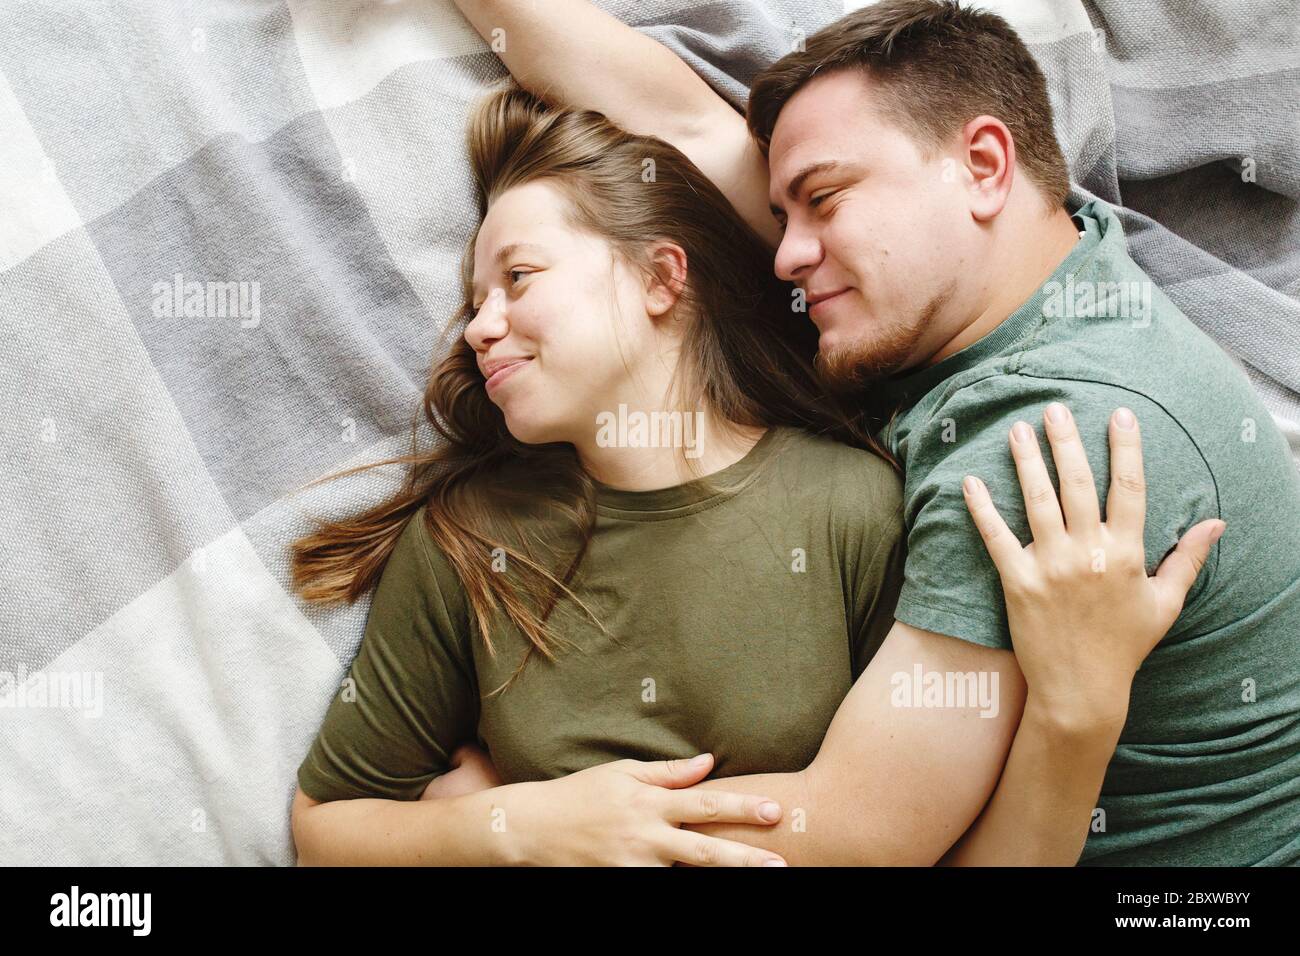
(738, 621)
(1207, 771)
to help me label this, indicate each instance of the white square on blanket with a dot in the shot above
(348, 46)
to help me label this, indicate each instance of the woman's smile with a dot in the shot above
(503, 372)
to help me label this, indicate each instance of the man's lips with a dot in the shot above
(503, 370)
(818, 303)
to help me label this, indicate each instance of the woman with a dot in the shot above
(581, 596)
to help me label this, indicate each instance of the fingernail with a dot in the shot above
(1217, 533)
(769, 810)
(775, 863)
(1124, 418)
(1057, 414)
(1022, 432)
(970, 484)
(700, 761)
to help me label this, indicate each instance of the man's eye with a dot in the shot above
(816, 201)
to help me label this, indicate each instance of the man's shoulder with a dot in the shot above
(968, 433)
(1115, 340)
(975, 412)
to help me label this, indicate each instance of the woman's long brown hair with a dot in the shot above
(745, 356)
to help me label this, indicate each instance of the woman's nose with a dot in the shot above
(489, 323)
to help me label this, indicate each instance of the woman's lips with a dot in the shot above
(501, 374)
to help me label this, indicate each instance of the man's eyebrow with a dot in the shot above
(792, 190)
(504, 253)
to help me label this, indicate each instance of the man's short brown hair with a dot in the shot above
(937, 66)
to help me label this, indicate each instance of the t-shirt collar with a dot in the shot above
(691, 496)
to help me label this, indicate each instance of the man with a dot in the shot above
(908, 156)
(920, 190)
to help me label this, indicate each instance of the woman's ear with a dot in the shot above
(668, 265)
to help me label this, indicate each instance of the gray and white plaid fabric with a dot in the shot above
(229, 233)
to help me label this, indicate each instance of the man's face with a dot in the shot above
(878, 236)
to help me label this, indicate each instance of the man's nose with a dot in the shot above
(797, 255)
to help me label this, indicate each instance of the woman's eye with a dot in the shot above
(816, 201)
(510, 278)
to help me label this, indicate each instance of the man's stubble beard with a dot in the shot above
(850, 368)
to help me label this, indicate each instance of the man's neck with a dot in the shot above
(1034, 254)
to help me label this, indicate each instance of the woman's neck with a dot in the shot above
(645, 451)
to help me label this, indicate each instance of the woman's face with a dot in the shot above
(561, 327)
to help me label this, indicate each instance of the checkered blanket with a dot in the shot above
(229, 234)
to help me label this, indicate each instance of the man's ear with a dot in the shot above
(990, 160)
(664, 287)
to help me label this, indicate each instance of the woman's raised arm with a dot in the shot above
(571, 53)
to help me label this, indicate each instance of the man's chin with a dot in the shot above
(849, 365)
(849, 368)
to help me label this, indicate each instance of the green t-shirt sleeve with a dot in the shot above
(411, 696)
(881, 551)
(951, 585)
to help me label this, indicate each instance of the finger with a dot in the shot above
(720, 806)
(698, 849)
(1003, 546)
(1041, 506)
(1073, 474)
(1126, 500)
(681, 772)
(1177, 572)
